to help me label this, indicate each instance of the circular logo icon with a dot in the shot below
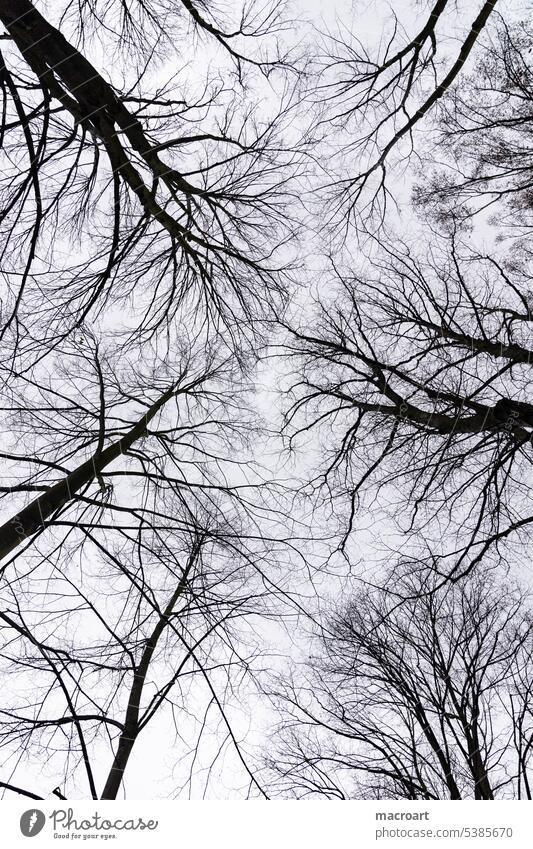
(32, 822)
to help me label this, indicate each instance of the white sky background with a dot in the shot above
(152, 772)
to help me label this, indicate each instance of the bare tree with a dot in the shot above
(483, 145)
(416, 373)
(417, 692)
(377, 95)
(175, 193)
(150, 208)
(139, 218)
(123, 641)
(133, 576)
(83, 411)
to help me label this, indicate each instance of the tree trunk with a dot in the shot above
(131, 723)
(447, 773)
(92, 101)
(31, 518)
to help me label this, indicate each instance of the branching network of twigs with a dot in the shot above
(168, 175)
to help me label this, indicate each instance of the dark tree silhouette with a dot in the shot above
(96, 419)
(127, 634)
(144, 237)
(174, 196)
(376, 96)
(483, 143)
(417, 374)
(132, 578)
(158, 164)
(416, 693)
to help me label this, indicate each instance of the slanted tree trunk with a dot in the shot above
(92, 101)
(447, 772)
(32, 517)
(131, 727)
